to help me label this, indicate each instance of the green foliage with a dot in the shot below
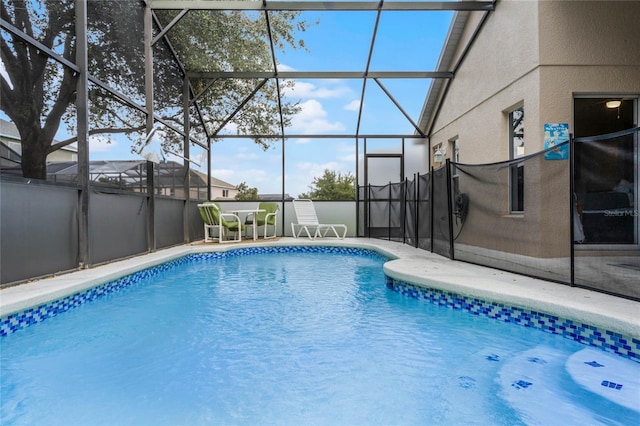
(245, 193)
(332, 186)
(38, 93)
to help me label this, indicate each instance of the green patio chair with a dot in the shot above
(265, 218)
(215, 219)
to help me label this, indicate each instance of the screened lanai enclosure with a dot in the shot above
(117, 116)
(233, 90)
(457, 210)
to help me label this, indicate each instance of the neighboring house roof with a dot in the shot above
(274, 197)
(215, 181)
(220, 183)
(168, 174)
(8, 130)
(8, 157)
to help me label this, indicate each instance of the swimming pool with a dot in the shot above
(212, 345)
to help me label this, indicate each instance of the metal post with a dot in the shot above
(368, 211)
(431, 207)
(209, 158)
(282, 217)
(186, 153)
(148, 94)
(367, 195)
(357, 143)
(404, 211)
(389, 215)
(571, 207)
(82, 107)
(449, 208)
(416, 207)
(151, 197)
(402, 176)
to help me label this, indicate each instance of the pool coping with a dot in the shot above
(408, 264)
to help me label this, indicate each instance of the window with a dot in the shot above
(455, 158)
(516, 170)
(454, 147)
(225, 193)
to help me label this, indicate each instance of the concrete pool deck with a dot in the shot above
(410, 265)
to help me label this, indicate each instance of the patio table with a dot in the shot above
(255, 222)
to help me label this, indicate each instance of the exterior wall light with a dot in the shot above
(438, 155)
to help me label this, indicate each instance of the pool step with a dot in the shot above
(610, 376)
(544, 386)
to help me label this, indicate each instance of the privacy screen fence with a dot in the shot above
(567, 214)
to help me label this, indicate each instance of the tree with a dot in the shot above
(332, 186)
(245, 193)
(38, 93)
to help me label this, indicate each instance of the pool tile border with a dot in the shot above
(582, 333)
(19, 320)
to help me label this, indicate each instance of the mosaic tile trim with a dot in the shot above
(19, 320)
(582, 333)
(353, 251)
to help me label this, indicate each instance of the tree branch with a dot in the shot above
(65, 96)
(92, 132)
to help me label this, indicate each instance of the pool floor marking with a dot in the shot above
(606, 375)
(535, 389)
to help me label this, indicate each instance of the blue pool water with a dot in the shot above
(299, 338)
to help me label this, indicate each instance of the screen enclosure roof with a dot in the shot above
(392, 58)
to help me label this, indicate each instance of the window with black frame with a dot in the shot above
(516, 170)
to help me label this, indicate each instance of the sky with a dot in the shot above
(405, 41)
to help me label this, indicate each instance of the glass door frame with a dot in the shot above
(636, 171)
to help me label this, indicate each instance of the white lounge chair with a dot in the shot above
(308, 222)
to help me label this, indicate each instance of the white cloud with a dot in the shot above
(348, 158)
(264, 180)
(311, 110)
(101, 144)
(229, 129)
(299, 182)
(223, 174)
(256, 178)
(244, 154)
(311, 119)
(303, 89)
(285, 67)
(317, 169)
(353, 105)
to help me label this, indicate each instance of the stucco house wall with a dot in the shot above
(498, 72)
(587, 48)
(538, 54)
